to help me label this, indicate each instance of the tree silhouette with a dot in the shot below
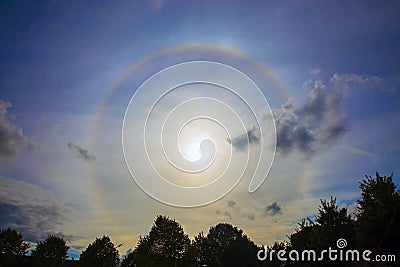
(331, 223)
(378, 221)
(165, 245)
(51, 252)
(334, 223)
(130, 260)
(12, 247)
(226, 245)
(240, 253)
(141, 255)
(195, 254)
(376, 227)
(101, 252)
(306, 236)
(275, 247)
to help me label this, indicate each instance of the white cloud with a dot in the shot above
(316, 71)
(307, 84)
(345, 81)
(12, 139)
(316, 124)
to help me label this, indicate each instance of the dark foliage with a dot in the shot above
(331, 224)
(12, 247)
(226, 245)
(376, 227)
(165, 245)
(378, 221)
(51, 252)
(101, 252)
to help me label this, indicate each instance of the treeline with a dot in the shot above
(375, 227)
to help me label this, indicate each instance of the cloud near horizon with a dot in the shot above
(233, 211)
(31, 209)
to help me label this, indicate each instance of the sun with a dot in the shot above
(192, 147)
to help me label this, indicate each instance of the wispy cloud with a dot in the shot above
(12, 139)
(234, 211)
(81, 153)
(30, 209)
(307, 84)
(156, 4)
(360, 151)
(251, 216)
(316, 71)
(231, 204)
(345, 81)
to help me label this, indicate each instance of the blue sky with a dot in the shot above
(329, 71)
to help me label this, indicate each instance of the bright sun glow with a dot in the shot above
(192, 151)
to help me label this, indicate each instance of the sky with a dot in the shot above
(113, 113)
